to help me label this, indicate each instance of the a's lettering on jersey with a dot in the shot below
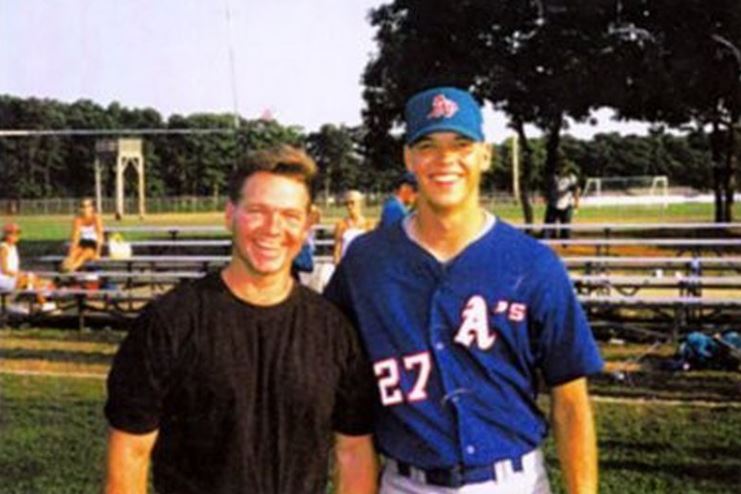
(515, 311)
(475, 325)
(501, 307)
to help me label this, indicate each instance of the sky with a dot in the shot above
(299, 60)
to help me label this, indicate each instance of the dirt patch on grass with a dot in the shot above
(623, 366)
(45, 366)
(633, 350)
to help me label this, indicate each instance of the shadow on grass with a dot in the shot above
(713, 452)
(715, 472)
(57, 334)
(57, 356)
(711, 386)
(28, 468)
(612, 444)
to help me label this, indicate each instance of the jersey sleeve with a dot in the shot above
(566, 349)
(139, 376)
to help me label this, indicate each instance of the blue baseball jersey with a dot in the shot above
(393, 211)
(457, 346)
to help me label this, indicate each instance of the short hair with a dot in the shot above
(353, 195)
(9, 229)
(407, 178)
(282, 160)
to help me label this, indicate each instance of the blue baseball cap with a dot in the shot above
(443, 109)
(406, 178)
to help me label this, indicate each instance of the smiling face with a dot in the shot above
(448, 167)
(87, 209)
(269, 224)
(354, 204)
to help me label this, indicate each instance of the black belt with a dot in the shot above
(457, 476)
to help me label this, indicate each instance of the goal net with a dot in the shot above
(638, 189)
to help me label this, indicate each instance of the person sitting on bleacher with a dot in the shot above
(11, 277)
(87, 237)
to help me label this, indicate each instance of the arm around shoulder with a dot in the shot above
(127, 462)
(576, 441)
(356, 465)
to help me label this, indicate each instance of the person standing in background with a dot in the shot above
(563, 199)
(396, 207)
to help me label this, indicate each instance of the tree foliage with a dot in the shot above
(180, 164)
(199, 164)
(336, 152)
(540, 61)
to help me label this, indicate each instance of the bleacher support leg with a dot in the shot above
(4, 310)
(81, 313)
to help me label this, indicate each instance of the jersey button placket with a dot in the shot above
(440, 337)
(437, 334)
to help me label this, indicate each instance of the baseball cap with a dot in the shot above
(443, 109)
(406, 178)
(9, 228)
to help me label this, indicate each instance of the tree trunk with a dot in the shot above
(716, 156)
(526, 176)
(551, 147)
(729, 175)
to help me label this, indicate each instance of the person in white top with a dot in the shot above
(563, 199)
(11, 276)
(87, 237)
(353, 225)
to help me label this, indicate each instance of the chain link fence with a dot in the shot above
(179, 204)
(70, 205)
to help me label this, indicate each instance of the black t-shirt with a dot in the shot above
(246, 398)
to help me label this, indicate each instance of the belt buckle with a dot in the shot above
(453, 477)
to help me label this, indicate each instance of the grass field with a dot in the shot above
(53, 431)
(57, 228)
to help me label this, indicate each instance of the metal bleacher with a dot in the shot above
(655, 277)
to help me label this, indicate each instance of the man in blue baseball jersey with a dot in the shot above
(396, 207)
(462, 315)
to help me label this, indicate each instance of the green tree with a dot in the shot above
(335, 150)
(529, 59)
(687, 70)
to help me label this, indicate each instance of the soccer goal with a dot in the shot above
(637, 189)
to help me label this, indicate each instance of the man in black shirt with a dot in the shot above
(237, 382)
